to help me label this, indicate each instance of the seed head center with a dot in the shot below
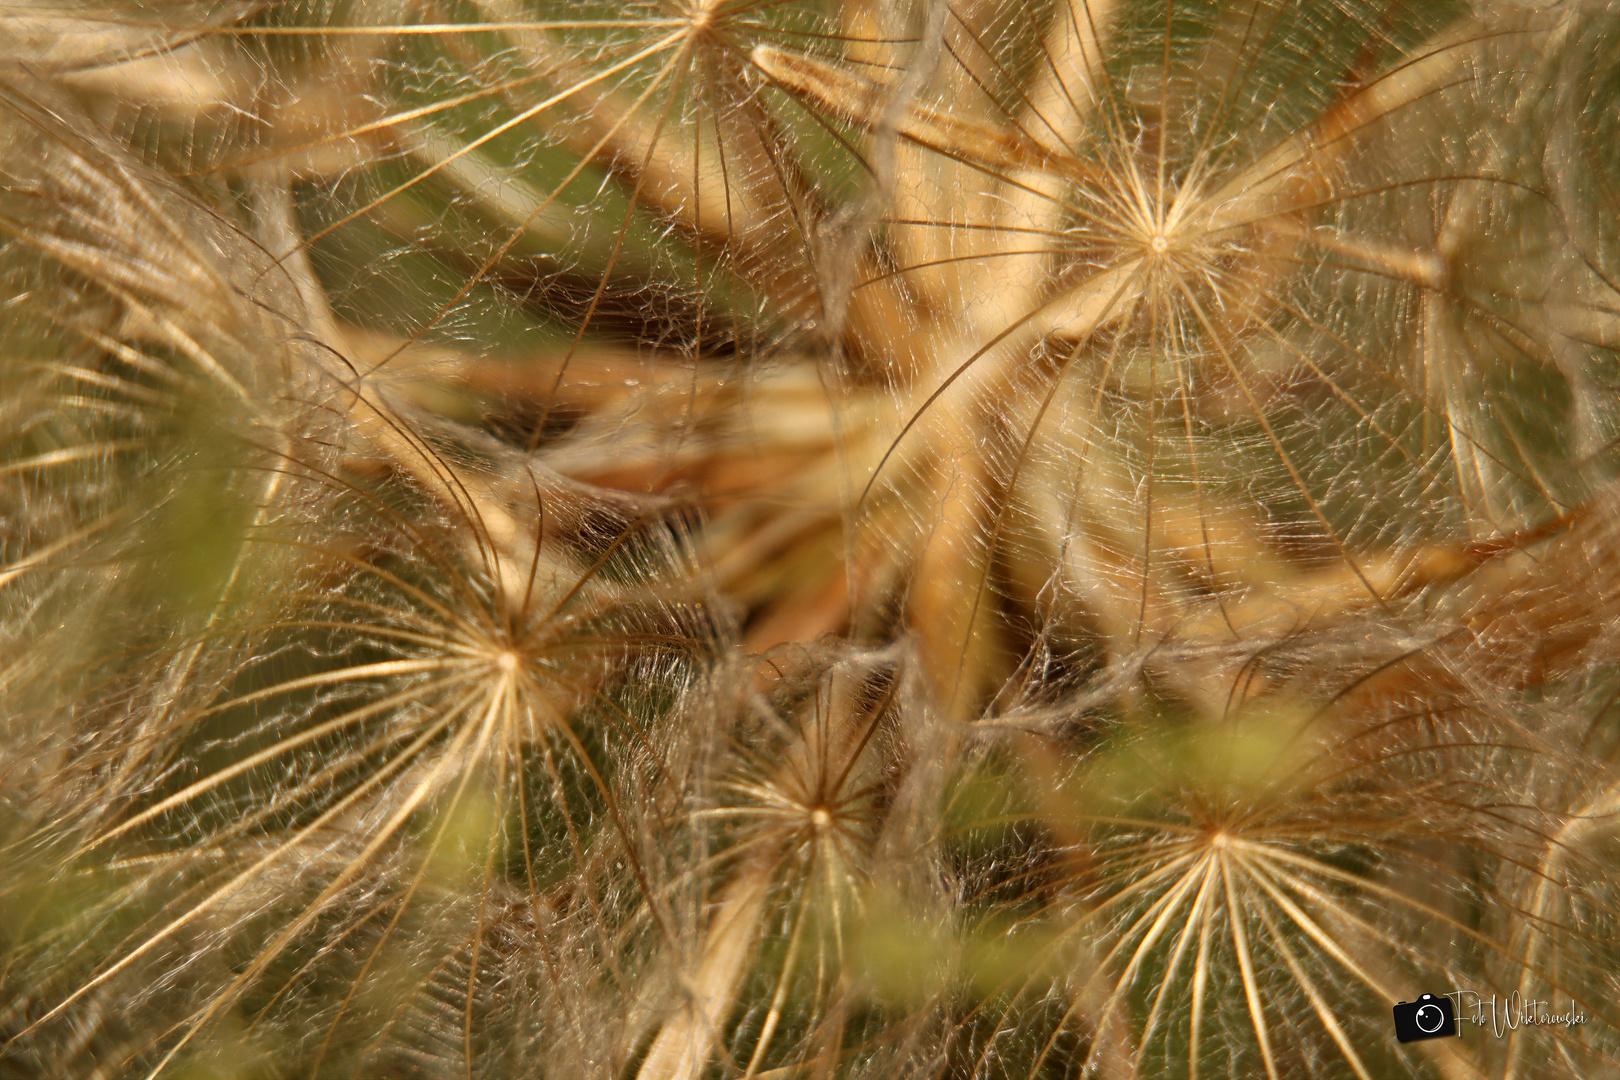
(820, 818)
(1159, 243)
(1219, 841)
(508, 661)
(703, 16)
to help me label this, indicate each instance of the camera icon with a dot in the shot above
(1429, 1017)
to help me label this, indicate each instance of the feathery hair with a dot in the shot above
(704, 538)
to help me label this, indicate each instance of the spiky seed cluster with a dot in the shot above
(757, 538)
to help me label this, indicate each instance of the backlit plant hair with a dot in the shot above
(707, 538)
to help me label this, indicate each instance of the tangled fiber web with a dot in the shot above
(757, 538)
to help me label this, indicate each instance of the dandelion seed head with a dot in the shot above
(1233, 589)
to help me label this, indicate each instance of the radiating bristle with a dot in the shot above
(756, 538)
